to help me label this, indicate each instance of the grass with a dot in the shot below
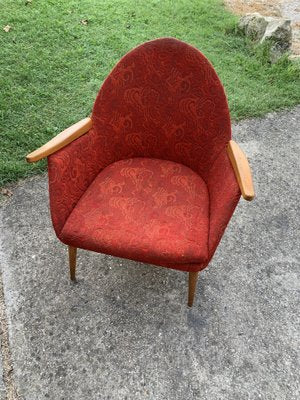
(51, 65)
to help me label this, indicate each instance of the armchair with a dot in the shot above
(153, 174)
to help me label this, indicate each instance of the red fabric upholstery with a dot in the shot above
(164, 102)
(143, 209)
(224, 194)
(71, 170)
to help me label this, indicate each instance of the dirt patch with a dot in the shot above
(289, 9)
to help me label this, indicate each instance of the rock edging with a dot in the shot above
(274, 30)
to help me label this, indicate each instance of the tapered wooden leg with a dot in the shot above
(193, 277)
(72, 262)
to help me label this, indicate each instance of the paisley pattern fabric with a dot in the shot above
(163, 100)
(162, 105)
(143, 209)
(71, 170)
(224, 195)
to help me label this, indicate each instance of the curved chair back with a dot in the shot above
(163, 100)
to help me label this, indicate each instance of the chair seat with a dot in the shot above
(144, 209)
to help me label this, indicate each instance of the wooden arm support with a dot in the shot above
(241, 169)
(61, 140)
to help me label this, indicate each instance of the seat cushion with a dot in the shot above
(144, 209)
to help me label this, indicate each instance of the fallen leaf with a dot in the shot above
(6, 192)
(7, 28)
(84, 21)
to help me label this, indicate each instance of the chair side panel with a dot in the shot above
(71, 170)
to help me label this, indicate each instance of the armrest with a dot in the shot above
(61, 140)
(241, 169)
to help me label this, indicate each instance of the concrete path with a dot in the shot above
(124, 331)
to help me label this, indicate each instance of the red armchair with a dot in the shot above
(153, 174)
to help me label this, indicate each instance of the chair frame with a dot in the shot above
(237, 158)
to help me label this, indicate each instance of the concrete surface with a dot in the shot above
(124, 330)
(2, 387)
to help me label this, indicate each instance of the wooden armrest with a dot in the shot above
(241, 169)
(61, 140)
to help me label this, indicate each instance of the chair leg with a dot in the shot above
(72, 261)
(193, 276)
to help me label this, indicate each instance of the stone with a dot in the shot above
(275, 53)
(253, 26)
(278, 30)
(279, 33)
(273, 30)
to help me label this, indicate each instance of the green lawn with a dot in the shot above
(51, 65)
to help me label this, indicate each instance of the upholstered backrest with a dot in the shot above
(163, 100)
